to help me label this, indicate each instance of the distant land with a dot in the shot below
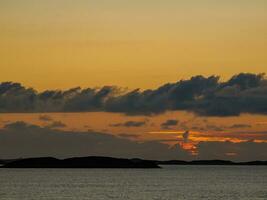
(79, 162)
(109, 162)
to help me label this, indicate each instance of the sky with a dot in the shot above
(173, 50)
(116, 42)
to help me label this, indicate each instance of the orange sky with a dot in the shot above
(62, 44)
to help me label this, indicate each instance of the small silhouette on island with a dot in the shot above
(108, 162)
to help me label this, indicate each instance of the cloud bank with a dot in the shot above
(25, 140)
(206, 96)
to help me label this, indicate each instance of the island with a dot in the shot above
(80, 162)
(109, 162)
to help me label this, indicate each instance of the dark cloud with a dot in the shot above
(56, 124)
(45, 118)
(212, 127)
(240, 126)
(219, 128)
(243, 151)
(252, 132)
(16, 98)
(169, 123)
(19, 125)
(23, 140)
(130, 124)
(206, 96)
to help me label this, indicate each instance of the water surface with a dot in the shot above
(169, 183)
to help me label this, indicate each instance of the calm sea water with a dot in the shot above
(169, 183)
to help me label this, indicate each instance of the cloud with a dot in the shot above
(212, 127)
(24, 140)
(236, 126)
(20, 139)
(45, 118)
(130, 124)
(218, 128)
(243, 151)
(206, 96)
(19, 125)
(56, 124)
(169, 123)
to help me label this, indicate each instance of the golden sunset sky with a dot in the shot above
(142, 43)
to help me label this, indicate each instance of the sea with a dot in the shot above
(167, 183)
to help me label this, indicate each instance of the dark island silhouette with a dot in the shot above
(80, 162)
(109, 162)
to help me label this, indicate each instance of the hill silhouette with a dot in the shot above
(108, 162)
(80, 162)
